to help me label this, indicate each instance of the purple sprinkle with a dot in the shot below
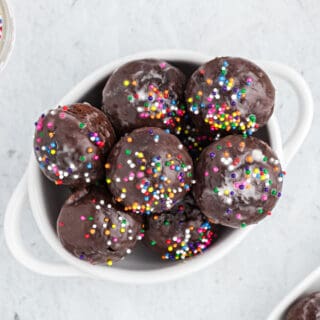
(212, 155)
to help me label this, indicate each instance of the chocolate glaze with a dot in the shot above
(149, 170)
(71, 143)
(306, 308)
(93, 228)
(226, 85)
(144, 93)
(238, 181)
(180, 233)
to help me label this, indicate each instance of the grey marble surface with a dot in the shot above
(58, 43)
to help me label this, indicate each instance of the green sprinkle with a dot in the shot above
(252, 117)
(260, 210)
(82, 158)
(153, 243)
(166, 222)
(128, 152)
(90, 218)
(243, 224)
(248, 171)
(274, 192)
(130, 98)
(82, 125)
(215, 190)
(167, 163)
(219, 147)
(265, 159)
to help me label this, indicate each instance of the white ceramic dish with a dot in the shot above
(309, 285)
(7, 34)
(139, 267)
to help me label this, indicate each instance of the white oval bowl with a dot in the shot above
(307, 286)
(141, 266)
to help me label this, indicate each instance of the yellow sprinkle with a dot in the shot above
(53, 151)
(122, 230)
(170, 248)
(113, 226)
(190, 100)
(126, 83)
(109, 262)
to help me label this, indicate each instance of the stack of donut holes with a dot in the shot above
(167, 160)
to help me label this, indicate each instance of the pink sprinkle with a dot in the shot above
(238, 216)
(62, 115)
(115, 239)
(162, 65)
(95, 157)
(49, 124)
(215, 169)
(82, 218)
(140, 174)
(206, 173)
(125, 179)
(38, 140)
(264, 197)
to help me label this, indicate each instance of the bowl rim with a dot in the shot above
(176, 270)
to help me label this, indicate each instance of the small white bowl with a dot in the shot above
(309, 285)
(7, 34)
(142, 266)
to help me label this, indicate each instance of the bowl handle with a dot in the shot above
(16, 243)
(305, 101)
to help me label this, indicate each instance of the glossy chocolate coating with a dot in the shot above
(93, 228)
(71, 143)
(180, 233)
(230, 95)
(149, 170)
(144, 93)
(306, 308)
(238, 181)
